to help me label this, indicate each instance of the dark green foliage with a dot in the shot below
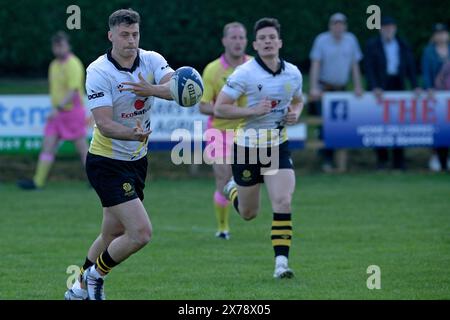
(189, 32)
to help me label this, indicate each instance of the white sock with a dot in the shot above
(281, 260)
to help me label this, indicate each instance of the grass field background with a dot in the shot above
(342, 224)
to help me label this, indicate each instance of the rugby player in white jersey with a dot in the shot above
(121, 86)
(273, 90)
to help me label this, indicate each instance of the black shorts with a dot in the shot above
(249, 171)
(116, 181)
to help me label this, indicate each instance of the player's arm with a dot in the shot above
(206, 105)
(145, 89)
(315, 91)
(225, 108)
(206, 108)
(294, 111)
(109, 128)
(71, 94)
(60, 107)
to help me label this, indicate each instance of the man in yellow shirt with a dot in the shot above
(215, 76)
(67, 120)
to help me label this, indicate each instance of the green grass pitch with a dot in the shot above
(342, 224)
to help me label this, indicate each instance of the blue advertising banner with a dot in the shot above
(398, 119)
(23, 117)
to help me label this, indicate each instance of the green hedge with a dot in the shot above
(188, 32)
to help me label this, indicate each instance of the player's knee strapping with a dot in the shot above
(281, 233)
(105, 263)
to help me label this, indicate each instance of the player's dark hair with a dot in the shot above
(59, 37)
(127, 16)
(267, 22)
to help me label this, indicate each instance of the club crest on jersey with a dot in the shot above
(260, 87)
(287, 87)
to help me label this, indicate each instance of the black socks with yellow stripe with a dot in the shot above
(281, 233)
(281, 228)
(105, 263)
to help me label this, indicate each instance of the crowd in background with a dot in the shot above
(389, 65)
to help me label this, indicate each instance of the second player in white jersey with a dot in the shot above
(273, 91)
(257, 82)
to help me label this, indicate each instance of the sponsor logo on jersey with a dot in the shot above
(125, 115)
(139, 104)
(95, 95)
(274, 103)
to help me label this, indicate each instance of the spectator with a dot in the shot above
(435, 62)
(334, 55)
(389, 62)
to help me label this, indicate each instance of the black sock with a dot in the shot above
(234, 199)
(105, 263)
(86, 265)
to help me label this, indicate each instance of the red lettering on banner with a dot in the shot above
(428, 112)
(386, 109)
(448, 110)
(404, 110)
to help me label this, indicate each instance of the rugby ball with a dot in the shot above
(186, 86)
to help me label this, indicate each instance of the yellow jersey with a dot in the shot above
(215, 76)
(65, 76)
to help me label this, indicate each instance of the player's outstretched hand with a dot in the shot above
(139, 133)
(264, 107)
(141, 88)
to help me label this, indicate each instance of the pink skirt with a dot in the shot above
(67, 125)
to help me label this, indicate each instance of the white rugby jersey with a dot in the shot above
(103, 86)
(256, 81)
